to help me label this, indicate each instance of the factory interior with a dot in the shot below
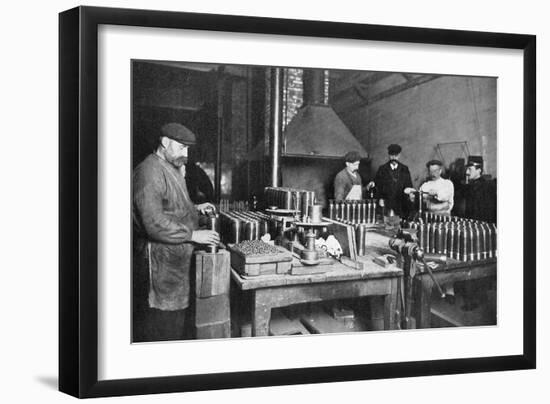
(295, 259)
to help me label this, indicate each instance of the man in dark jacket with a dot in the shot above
(392, 178)
(165, 230)
(480, 193)
(480, 201)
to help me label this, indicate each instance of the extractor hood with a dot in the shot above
(316, 130)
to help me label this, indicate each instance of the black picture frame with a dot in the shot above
(78, 200)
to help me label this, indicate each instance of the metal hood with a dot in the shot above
(316, 130)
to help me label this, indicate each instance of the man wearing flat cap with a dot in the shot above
(165, 229)
(438, 190)
(392, 178)
(348, 184)
(480, 194)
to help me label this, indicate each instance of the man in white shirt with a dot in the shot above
(440, 192)
(439, 199)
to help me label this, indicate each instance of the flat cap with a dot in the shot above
(394, 149)
(179, 133)
(476, 161)
(434, 163)
(352, 157)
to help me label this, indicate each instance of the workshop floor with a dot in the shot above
(445, 314)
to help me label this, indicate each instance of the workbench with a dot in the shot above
(339, 282)
(452, 272)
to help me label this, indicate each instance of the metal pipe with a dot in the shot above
(314, 86)
(220, 132)
(275, 124)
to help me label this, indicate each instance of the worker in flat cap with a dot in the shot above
(348, 184)
(438, 191)
(480, 193)
(391, 180)
(165, 231)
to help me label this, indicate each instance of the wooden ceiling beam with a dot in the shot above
(414, 82)
(361, 79)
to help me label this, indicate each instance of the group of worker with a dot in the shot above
(395, 190)
(394, 187)
(166, 224)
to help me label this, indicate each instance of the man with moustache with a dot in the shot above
(165, 229)
(348, 183)
(392, 179)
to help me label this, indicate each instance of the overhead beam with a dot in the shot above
(385, 94)
(360, 80)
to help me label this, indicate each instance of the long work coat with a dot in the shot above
(164, 219)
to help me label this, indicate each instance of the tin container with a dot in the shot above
(431, 244)
(476, 241)
(341, 210)
(331, 209)
(316, 214)
(360, 233)
(493, 229)
(354, 212)
(482, 241)
(450, 240)
(421, 234)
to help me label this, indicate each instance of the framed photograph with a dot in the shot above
(251, 202)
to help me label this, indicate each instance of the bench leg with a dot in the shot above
(390, 304)
(423, 301)
(261, 315)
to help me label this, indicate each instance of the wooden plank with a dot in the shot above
(311, 269)
(320, 322)
(339, 272)
(282, 325)
(214, 330)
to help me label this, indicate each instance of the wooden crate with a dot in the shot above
(279, 263)
(212, 273)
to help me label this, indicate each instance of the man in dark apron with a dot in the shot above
(165, 231)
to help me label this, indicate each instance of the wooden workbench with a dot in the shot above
(454, 271)
(340, 282)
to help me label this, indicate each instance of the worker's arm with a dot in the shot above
(339, 188)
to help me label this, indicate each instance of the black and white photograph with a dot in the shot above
(278, 201)
(275, 202)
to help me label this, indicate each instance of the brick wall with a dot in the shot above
(447, 109)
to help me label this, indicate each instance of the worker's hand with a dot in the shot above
(409, 190)
(432, 192)
(205, 237)
(205, 208)
(370, 185)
